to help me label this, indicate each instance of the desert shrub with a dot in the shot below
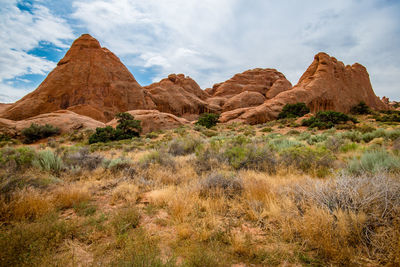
(127, 128)
(354, 136)
(118, 164)
(396, 144)
(266, 130)
(365, 129)
(36, 132)
(47, 160)
(379, 133)
(217, 184)
(208, 120)
(389, 116)
(17, 158)
(373, 162)
(318, 138)
(125, 219)
(4, 137)
(34, 244)
(82, 159)
(349, 146)
(251, 157)
(307, 159)
(140, 249)
(183, 146)
(365, 212)
(360, 109)
(327, 119)
(283, 143)
(294, 111)
(334, 143)
(157, 157)
(152, 135)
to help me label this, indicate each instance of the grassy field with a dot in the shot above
(234, 195)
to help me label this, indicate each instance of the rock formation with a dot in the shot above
(181, 96)
(66, 120)
(154, 120)
(268, 82)
(89, 80)
(3, 107)
(326, 85)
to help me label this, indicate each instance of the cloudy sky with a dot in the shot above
(208, 40)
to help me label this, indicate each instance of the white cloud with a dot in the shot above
(212, 40)
(20, 32)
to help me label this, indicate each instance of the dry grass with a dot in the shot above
(198, 206)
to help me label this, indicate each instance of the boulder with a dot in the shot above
(326, 85)
(90, 80)
(181, 96)
(154, 120)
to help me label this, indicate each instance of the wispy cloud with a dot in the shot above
(212, 40)
(21, 30)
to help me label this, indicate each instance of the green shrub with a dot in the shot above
(183, 146)
(117, 164)
(360, 109)
(251, 157)
(4, 137)
(327, 120)
(127, 128)
(294, 111)
(18, 158)
(374, 162)
(208, 120)
(36, 132)
(157, 157)
(307, 159)
(47, 160)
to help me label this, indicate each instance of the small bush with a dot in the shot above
(17, 159)
(47, 160)
(117, 164)
(183, 146)
(125, 219)
(360, 109)
(327, 119)
(157, 157)
(294, 111)
(217, 184)
(36, 132)
(208, 120)
(374, 162)
(82, 159)
(127, 128)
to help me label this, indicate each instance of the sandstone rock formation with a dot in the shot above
(89, 80)
(3, 107)
(243, 100)
(154, 120)
(66, 120)
(181, 96)
(268, 82)
(326, 85)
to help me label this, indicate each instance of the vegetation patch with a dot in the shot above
(37, 132)
(208, 120)
(294, 111)
(327, 120)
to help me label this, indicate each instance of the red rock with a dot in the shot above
(326, 85)
(181, 96)
(244, 100)
(3, 107)
(89, 80)
(154, 120)
(256, 80)
(67, 121)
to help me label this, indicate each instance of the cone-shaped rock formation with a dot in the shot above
(89, 80)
